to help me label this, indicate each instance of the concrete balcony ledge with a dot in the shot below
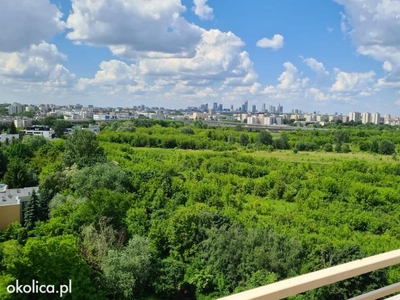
(310, 281)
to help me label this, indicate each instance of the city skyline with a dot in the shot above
(332, 56)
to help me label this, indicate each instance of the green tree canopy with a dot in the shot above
(265, 138)
(32, 213)
(102, 175)
(82, 149)
(127, 272)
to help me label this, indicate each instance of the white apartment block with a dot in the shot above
(376, 118)
(366, 117)
(45, 131)
(22, 123)
(386, 119)
(354, 116)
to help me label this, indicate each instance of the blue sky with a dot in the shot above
(327, 56)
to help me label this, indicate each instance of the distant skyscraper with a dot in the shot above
(263, 108)
(253, 109)
(204, 107)
(215, 106)
(246, 106)
(279, 109)
(272, 109)
(220, 107)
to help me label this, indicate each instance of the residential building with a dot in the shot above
(22, 123)
(198, 116)
(354, 116)
(386, 119)
(376, 118)
(13, 204)
(43, 130)
(15, 108)
(366, 117)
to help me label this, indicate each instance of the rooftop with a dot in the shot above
(12, 196)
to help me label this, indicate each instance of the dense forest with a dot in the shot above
(173, 210)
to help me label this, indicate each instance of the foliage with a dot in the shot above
(18, 175)
(82, 149)
(265, 138)
(127, 272)
(170, 215)
(50, 261)
(104, 175)
(32, 213)
(60, 127)
(3, 164)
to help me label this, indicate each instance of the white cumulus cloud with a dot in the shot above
(275, 43)
(352, 82)
(41, 63)
(26, 22)
(202, 10)
(134, 29)
(316, 66)
(373, 26)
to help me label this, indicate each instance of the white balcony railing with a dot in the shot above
(303, 283)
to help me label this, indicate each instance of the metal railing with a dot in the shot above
(303, 283)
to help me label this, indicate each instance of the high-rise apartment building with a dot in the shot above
(366, 117)
(354, 116)
(386, 119)
(376, 118)
(15, 108)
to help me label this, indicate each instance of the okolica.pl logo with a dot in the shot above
(36, 288)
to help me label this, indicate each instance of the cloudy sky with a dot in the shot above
(329, 56)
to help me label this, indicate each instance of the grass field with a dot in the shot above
(289, 156)
(324, 157)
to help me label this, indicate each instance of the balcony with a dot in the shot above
(310, 281)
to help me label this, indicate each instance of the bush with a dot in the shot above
(387, 147)
(345, 148)
(187, 130)
(328, 147)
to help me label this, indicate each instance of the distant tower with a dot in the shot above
(272, 109)
(215, 106)
(246, 106)
(263, 108)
